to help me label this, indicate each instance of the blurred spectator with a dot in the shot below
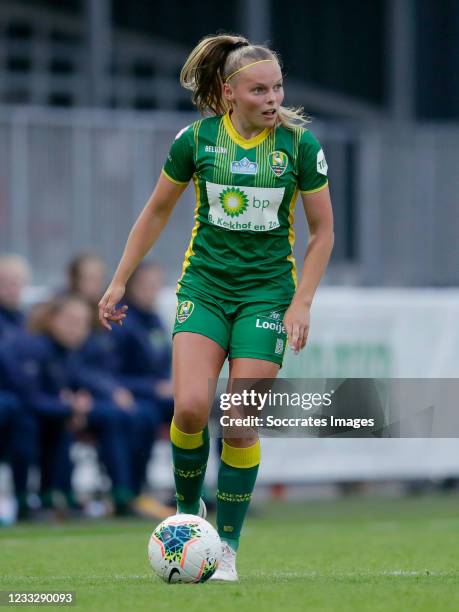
(18, 432)
(144, 344)
(86, 278)
(86, 275)
(14, 445)
(14, 274)
(143, 352)
(134, 361)
(68, 401)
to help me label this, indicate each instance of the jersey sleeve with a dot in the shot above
(312, 166)
(179, 166)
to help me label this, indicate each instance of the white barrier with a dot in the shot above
(381, 333)
(355, 332)
(297, 461)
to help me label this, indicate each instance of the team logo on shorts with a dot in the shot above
(279, 346)
(184, 310)
(278, 162)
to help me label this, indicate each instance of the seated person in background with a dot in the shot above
(18, 433)
(14, 274)
(143, 351)
(65, 396)
(86, 278)
(135, 361)
(17, 424)
(144, 344)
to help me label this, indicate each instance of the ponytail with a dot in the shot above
(293, 117)
(203, 71)
(216, 58)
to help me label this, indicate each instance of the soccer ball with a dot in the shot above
(184, 548)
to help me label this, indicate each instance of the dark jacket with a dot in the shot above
(143, 350)
(42, 368)
(11, 323)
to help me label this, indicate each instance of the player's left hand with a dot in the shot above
(296, 323)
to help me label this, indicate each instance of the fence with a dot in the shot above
(73, 180)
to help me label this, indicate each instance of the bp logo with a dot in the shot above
(184, 310)
(278, 162)
(234, 201)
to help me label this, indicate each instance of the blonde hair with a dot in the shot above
(217, 58)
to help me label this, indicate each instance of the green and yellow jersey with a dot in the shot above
(241, 247)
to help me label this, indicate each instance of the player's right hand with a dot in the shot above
(107, 306)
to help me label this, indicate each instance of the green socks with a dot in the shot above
(236, 481)
(189, 456)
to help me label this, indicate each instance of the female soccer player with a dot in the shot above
(248, 160)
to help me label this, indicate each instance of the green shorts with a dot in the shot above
(249, 329)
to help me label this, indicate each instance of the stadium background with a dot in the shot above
(90, 101)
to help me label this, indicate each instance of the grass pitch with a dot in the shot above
(351, 555)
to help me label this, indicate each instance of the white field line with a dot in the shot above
(76, 577)
(361, 574)
(396, 573)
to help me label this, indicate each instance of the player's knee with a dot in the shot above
(191, 412)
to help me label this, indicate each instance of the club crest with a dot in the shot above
(278, 162)
(184, 310)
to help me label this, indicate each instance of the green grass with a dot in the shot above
(351, 555)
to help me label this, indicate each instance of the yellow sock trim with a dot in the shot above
(185, 440)
(241, 457)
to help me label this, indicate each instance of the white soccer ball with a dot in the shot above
(184, 548)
